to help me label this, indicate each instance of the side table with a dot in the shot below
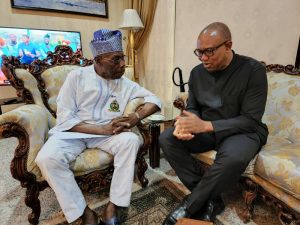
(154, 151)
(9, 101)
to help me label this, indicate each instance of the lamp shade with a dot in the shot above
(130, 20)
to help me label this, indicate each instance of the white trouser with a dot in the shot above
(56, 155)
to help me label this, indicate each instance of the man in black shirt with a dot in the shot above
(226, 101)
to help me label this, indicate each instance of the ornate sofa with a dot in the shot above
(274, 174)
(38, 84)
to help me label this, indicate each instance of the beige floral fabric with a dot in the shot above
(30, 83)
(280, 165)
(90, 160)
(54, 79)
(34, 119)
(283, 106)
(279, 160)
(206, 157)
(37, 120)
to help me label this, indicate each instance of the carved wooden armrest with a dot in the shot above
(29, 124)
(31, 117)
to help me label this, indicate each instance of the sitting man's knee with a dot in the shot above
(234, 164)
(46, 159)
(166, 136)
(42, 159)
(132, 139)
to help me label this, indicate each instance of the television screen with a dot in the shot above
(30, 44)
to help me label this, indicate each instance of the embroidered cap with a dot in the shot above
(106, 41)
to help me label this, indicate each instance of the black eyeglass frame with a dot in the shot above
(116, 59)
(208, 51)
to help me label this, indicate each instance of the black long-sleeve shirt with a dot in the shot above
(233, 99)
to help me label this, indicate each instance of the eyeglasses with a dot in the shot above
(117, 59)
(209, 51)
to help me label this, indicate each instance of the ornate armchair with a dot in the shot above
(274, 174)
(38, 84)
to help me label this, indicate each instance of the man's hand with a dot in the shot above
(124, 123)
(188, 124)
(116, 126)
(182, 136)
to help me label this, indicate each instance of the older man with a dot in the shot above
(227, 97)
(92, 100)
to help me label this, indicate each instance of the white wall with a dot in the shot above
(59, 21)
(158, 53)
(266, 30)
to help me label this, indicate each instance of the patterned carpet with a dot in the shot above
(149, 206)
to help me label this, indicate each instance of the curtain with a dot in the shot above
(146, 11)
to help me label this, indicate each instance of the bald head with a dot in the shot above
(214, 47)
(217, 29)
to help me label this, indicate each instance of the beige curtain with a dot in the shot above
(146, 11)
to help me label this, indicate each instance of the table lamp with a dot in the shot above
(132, 22)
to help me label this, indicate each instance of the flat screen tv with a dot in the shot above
(30, 44)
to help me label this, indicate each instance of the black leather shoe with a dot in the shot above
(212, 209)
(179, 212)
(112, 221)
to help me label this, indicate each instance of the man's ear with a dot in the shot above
(98, 59)
(228, 44)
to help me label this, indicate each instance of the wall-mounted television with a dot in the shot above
(29, 44)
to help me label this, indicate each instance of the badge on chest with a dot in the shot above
(114, 106)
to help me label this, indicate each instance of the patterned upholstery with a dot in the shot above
(37, 121)
(280, 165)
(90, 160)
(283, 106)
(38, 84)
(279, 160)
(277, 166)
(30, 83)
(54, 79)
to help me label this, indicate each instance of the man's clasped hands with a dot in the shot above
(188, 124)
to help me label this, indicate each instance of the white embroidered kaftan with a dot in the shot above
(87, 97)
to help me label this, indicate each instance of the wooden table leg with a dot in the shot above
(154, 151)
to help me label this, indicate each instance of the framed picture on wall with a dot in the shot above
(87, 7)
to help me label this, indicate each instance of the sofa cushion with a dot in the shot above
(31, 84)
(90, 160)
(209, 157)
(54, 79)
(280, 165)
(283, 106)
(206, 157)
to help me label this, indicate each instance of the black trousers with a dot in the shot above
(233, 156)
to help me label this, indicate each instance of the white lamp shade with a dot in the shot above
(130, 20)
